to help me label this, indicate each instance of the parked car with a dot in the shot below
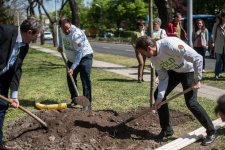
(108, 34)
(48, 35)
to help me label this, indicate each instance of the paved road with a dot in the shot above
(127, 50)
(112, 48)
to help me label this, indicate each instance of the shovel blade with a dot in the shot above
(82, 101)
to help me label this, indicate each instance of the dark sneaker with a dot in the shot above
(209, 139)
(72, 105)
(163, 134)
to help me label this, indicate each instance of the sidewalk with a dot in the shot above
(205, 91)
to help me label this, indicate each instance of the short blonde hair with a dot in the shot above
(157, 20)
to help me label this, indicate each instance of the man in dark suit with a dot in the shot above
(14, 45)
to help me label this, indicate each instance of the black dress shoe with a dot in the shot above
(163, 134)
(209, 139)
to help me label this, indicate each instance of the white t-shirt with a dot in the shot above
(174, 54)
(76, 45)
(159, 34)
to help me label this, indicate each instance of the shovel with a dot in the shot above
(28, 112)
(80, 100)
(150, 109)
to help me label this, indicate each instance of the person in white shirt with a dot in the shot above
(175, 63)
(158, 33)
(79, 54)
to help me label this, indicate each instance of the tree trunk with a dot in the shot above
(31, 7)
(75, 13)
(165, 11)
(40, 17)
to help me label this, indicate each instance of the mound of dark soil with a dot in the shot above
(74, 129)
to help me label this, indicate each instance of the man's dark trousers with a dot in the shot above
(5, 81)
(84, 68)
(186, 80)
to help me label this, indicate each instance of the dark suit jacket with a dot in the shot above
(8, 35)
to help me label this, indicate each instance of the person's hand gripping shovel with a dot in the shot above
(16, 105)
(79, 100)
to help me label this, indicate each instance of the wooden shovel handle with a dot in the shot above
(177, 95)
(152, 108)
(71, 77)
(26, 111)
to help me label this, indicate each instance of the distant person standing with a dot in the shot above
(200, 39)
(217, 21)
(158, 33)
(175, 28)
(80, 56)
(140, 58)
(219, 44)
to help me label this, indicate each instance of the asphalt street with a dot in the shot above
(127, 50)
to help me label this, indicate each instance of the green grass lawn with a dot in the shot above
(44, 78)
(208, 76)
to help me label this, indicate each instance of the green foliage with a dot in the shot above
(127, 12)
(208, 6)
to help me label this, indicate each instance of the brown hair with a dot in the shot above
(143, 42)
(140, 23)
(32, 24)
(196, 24)
(63, 20)
(176, 15)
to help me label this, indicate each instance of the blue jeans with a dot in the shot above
(218, 63)
(84, 68)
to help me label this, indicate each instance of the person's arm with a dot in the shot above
(214, 32)
(163, 82)
(193, 38)
(162, 86)
(79, 42)
(14, 86)
(189, 54)
(17, 72)
(207, 37)
(163, 35)
(133, 38)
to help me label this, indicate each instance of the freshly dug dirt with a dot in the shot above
(74, 129)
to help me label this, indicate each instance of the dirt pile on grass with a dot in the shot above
(74, 129)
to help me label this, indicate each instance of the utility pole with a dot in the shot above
(101, 27)
(152, 82)
(190, 21)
